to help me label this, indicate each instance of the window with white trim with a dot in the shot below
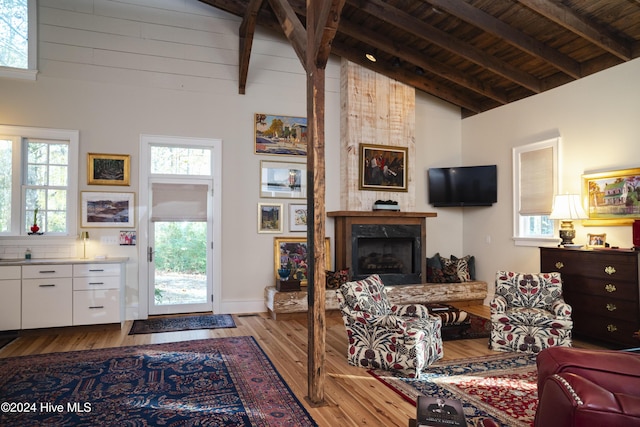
(535, 181)
(18, 39)
(38, 185)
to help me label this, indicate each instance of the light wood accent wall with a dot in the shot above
(374, 110)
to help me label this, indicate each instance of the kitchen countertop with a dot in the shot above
(51, 261)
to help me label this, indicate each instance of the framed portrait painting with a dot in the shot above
(108, 169)
(294, 251)
(270, 217)
(383, 168)
(282, 135)
(107, 209)
(612, 198)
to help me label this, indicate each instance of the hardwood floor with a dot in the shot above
(353, 397)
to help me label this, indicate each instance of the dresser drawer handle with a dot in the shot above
(96, 283)
(559, 265)
(610, 288)
(611, 307)
(96, 307)
(47, 286)
(46, 271)
(609, 270)
(612, 328)
(96, 270)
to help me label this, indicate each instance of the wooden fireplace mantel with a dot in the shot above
(345, 220)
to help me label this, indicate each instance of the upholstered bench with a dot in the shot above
(455, 322)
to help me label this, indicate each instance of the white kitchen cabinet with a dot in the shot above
(10, 297)
(46, 296)
(96, 294)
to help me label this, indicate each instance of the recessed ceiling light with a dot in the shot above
(371, 56)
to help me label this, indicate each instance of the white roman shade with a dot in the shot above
(536, 182)
(179, 202)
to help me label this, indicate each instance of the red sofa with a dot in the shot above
(591, 388)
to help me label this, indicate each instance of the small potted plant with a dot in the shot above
(34, 227)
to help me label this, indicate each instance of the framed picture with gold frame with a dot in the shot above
(596, 240)
(294, 250)
(383, 168)
(612, 198)
(108, 169)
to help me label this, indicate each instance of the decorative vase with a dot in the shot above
(35, 228)
(284, 273)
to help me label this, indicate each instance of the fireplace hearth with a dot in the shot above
(391, 244)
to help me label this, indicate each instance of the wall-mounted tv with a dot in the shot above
(463, 186)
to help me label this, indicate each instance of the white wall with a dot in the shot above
(597, 119)
(116, 70)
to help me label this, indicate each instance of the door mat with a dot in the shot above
(182, 323)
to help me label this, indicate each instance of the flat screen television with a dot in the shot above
(463, 186)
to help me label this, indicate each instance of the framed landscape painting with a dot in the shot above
(383, 168)
(270, 217)
(108, 169)
(612, 198)
(283, 135)
(107, 209)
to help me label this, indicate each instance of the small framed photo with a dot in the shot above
(280, 135)
(283, 180)
(108, 169)
(596, 240)
(383, 168)
(127, 238)
(294, 251)
(297, 217)
(269, 218)
(107, 209)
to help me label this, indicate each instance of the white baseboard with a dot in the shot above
(242, 306)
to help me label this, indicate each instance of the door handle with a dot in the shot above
(150, 254)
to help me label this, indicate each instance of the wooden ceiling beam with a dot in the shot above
(246, 31)
(415, 26)
(509, 34)
(566, 18)
(292, 28)
(326, 28)
(415, 57)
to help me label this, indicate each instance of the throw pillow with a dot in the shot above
(434, 269)
(337, 278)
(455, 271)
(471, 263)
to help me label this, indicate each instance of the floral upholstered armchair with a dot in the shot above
(528, 313)
(385, 336)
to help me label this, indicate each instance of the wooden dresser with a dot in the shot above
(602, 288)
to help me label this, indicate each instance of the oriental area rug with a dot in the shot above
(502, 387)
(214, 382)
(182, 323)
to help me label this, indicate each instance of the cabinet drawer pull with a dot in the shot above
(609, 270)
(96, 283)
(47, 286)
(611, 328)
(46, 271)
(559, 265)
(611, 307)
(96, 270)
(96, 307)
(610, 288)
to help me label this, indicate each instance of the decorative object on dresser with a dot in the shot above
(407, 337)
(596, 240)
(528, 312)
(602, 287)
(566, 208)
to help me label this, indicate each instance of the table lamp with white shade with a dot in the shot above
(566, 208)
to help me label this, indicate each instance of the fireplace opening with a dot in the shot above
(392, 251)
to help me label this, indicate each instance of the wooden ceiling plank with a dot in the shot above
(413, 56)
(402, 20)
(580, 25)
(326, 28)
(246, 31)
(511, 35)
(292, 28)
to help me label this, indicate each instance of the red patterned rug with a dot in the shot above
(214, 382)
(502, 387)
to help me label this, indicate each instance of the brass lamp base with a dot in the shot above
(567, 232)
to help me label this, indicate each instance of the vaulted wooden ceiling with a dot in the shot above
(476, 54)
